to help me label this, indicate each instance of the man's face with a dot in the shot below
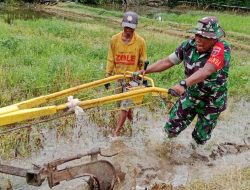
(204, 44)
(128, 32)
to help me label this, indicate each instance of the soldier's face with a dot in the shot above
(204, 44)
(128, 32)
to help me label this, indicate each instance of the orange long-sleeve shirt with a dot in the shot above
(124, 57)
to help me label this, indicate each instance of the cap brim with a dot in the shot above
(129, 25)
(212, 35)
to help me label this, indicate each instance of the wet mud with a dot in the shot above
(147, 159)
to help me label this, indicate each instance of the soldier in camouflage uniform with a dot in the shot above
(203, 93)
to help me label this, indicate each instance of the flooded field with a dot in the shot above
(147, 157)
(25, 13)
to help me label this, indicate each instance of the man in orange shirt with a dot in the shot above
(127, 52)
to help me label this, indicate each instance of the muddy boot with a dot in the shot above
(199, 152)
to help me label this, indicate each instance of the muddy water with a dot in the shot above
(147, 156)
(31, 12)
(10, 14)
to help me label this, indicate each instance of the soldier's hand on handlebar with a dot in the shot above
(176, 90)
(173, 92)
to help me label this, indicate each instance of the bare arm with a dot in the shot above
(159, 66)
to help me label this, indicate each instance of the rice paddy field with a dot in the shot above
(45, 49)
(44, 54)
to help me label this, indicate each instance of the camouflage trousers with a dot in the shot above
(184, 112)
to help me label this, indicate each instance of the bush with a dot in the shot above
(239, 3)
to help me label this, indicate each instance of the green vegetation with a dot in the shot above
(44, 55)
(231, 22)
(170, 3)
(55, 52)
(209, 2)
(40, 56)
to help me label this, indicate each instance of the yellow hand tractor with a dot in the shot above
(33, 108)
(36, 108)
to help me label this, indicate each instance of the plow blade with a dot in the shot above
(102, 171)
(13, 170)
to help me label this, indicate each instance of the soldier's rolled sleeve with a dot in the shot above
(177, 56)
(174, 58)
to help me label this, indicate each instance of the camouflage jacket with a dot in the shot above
(214, 88)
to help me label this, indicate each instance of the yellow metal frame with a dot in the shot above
(28, 109)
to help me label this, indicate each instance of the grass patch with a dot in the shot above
(232, 179)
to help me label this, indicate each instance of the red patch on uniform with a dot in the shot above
(216, 51)
(215, 61)
(217, 56)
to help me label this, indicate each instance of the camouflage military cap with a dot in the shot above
(209, 27)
